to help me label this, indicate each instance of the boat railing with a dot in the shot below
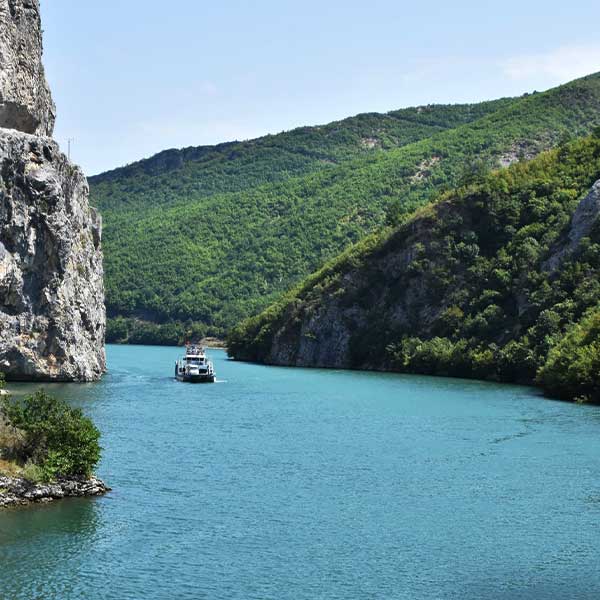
(194, 349)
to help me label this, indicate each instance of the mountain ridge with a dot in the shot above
(402, 114)
(214, 259)
(334, 142)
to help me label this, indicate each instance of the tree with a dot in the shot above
(58, 438)
(572, 369)
(473, 172)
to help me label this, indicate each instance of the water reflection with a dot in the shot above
(45, 544)
(59, 520)
(287, 484)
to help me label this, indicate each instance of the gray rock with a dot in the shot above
(52, 316)
(25, 100)
(584, 218)
(16, 491)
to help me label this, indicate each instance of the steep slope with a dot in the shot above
(25, 100)
(483, 283)
(52, 315)
(219, 258)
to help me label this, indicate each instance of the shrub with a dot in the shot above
(34, 473)
(572, 369)
(58, 438)
(438, 356)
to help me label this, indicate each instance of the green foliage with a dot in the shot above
(463, 358)
(213, 235)
(121, 330)
(480, 295)
(474, 171)
(36, 474)
(177, 176)
(572, 369)
(59, 440)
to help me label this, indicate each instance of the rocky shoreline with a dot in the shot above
(15, 491)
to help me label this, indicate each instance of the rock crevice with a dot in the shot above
(584, 219)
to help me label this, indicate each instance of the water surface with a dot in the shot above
(290, 484)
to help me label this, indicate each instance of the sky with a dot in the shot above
(133, 77)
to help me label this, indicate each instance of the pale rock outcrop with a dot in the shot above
(584, 218)
(52, 316)
(25, 100)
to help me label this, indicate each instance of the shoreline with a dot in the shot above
(211, 344)
(16, 491)
(214, 343)
(382, 371)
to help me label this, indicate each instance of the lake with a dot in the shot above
(291, 483)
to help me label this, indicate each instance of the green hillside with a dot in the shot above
(178, 176)
(495, 280)
(176, 251)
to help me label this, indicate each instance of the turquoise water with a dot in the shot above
(290, 484)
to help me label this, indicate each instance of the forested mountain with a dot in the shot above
(498, 279)
(212, 235)
(200, 182)
(177, 176)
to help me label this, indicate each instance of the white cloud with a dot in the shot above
(560, 65)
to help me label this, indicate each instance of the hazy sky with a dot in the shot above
(133, 77)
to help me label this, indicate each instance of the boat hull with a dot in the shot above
(196, 378)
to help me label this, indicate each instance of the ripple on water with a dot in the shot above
(290, 484)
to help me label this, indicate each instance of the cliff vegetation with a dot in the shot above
(43, 439)
(498, 279)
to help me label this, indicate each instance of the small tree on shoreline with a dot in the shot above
(59, 439)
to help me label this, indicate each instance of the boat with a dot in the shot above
(195, 367)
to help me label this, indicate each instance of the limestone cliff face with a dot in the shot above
(25, 100)
(52, 317)
(51, 288)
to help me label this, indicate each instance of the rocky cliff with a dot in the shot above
(52, 316)
(25, 100)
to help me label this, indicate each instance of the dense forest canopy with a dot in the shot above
(198, 239)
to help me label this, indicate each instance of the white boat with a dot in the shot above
(195, 367)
